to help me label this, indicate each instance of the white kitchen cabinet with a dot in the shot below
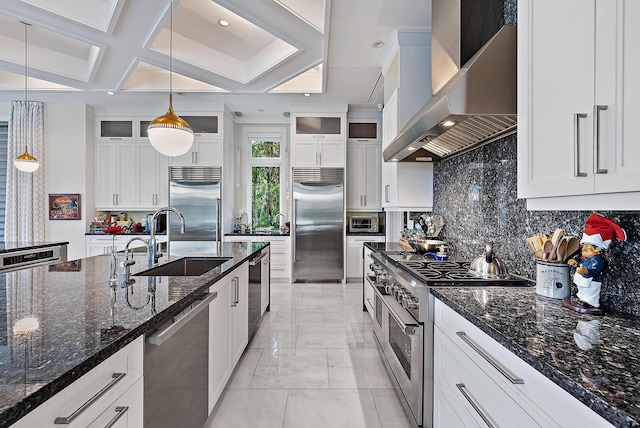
(477, 375)
(114, 382)
(206, 151)
(363, 177)
(407, 186)
(317, 153)
(279, 253)
(116, 177)
(324, 126)
(355, 255)
(220, 366)
(390, 120)
(239, 311)
(115, 128)
(153, 177)
(96, 245)
(577, 114)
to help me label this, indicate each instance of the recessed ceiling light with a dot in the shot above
(110, 93)
(378, 44)
(307, 94)
(411, 149)
(395, 160)
(261, 110)
(448, 123)
(223, 22)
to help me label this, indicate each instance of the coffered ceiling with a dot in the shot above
(271, 53)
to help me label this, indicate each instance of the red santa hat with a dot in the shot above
(600, 231)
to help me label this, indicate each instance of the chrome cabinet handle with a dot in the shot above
(360, 200)
(386, 193)
(488, 358)
(365, 200)
(237, 290)
(320, 156)
(192, 158)
(576, 146)
(596, 137)
(317, 163)
(196, 157)
(116, 377)
(234, 301)
(113, 198)
(120, 410)
(473, 403)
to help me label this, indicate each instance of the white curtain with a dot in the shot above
(25, 205)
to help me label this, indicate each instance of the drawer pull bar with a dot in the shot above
(475, 406)
(503, 370)
(116, 377)
(120, 410)
(576, 141)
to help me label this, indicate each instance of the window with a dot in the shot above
(265, 164)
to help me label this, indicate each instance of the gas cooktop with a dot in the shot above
(451, 272)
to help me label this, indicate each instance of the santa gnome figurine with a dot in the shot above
(599, 233)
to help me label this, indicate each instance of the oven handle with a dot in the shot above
(256, 260)
(408, 324)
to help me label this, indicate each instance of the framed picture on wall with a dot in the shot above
(64, 206)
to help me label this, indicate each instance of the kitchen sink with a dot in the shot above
(186, 266)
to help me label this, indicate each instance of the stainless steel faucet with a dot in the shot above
(153, 258)
(126, 263)
(275, 218)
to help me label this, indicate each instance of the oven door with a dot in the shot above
(403, 347)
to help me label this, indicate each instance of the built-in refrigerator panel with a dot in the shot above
(318, 224)
(196, 193)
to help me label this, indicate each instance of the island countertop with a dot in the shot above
(595, 359)
(81, 320)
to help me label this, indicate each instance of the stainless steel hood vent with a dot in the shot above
(479, 99)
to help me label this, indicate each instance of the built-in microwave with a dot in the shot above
(362, 223)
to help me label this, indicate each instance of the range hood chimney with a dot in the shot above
(471, 104)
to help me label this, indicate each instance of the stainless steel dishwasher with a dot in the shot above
(176, 369)
(256, 279)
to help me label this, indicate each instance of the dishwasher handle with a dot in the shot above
(256, 260)
(161, 336)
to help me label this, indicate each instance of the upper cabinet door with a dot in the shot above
(327, 126)
(577, 86)
(555, 96)
(115, 129)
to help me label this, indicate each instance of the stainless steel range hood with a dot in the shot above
(479, 99)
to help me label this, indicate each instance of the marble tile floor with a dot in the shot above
(312, 363)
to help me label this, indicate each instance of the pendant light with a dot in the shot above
(25, 162)
(169, 134)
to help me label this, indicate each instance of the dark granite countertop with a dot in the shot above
(79, 327)
(125, 234)
(365, 233)
(8, 247)
(595, 359)
(272, 233)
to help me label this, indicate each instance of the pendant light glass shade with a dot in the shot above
(169, 134)
(25, 162)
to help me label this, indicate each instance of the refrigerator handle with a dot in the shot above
(219, 219)
(293, 230)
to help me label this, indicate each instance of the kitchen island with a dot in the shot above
(79, 321)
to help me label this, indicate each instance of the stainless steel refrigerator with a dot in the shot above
(195, 191)
(318, 224)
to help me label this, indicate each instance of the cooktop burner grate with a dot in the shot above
(453, 273)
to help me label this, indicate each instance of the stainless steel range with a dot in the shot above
(403, 319)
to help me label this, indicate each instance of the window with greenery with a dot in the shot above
(265, 195)
(265, 164)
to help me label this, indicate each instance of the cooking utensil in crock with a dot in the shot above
(488, 265)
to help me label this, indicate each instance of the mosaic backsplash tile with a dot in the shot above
(476, 193)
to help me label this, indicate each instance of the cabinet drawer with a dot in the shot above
(127, 411)
(113, 376)
(536, 391)
(477, 394)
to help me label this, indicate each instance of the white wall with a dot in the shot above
(69, 165)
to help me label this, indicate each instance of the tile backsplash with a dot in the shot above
(476, 193)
